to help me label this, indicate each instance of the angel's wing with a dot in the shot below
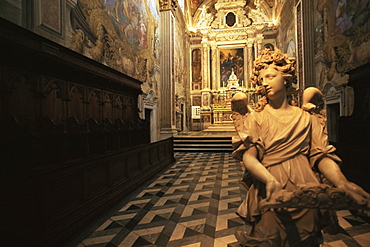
(313, 102)
(240, 108)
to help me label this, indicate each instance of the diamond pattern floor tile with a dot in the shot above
(192, 204)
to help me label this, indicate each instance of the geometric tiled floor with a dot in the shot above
(192, 204)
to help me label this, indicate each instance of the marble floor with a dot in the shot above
(192, 204)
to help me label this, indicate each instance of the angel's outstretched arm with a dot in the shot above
(333, 174)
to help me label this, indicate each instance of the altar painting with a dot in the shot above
(231, 60)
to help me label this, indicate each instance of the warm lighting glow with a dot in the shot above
(192, 29)
(181, 3)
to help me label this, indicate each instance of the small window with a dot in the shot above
(269, 46)
(230, 19)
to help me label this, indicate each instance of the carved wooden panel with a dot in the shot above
(69, 197)
(21, 96)
(108, 105)
(94, 100)
(53, 98)
(69, 136)
(77, 101)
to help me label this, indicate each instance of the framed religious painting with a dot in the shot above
(231, 61)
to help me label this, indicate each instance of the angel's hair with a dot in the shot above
(281, 62)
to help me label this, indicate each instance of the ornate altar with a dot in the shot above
(221, 106)
(224, 42)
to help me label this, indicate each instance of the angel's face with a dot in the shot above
(273, 81)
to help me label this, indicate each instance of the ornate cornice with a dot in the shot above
(167, 5)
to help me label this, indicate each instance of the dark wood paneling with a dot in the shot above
(144, 159)
(96, 179)
(72, 144)
(117, 172)
(133, 163)
(49, 205)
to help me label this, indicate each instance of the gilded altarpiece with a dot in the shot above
(227, 73)
(227, 37)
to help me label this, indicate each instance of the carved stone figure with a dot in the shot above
(292, 174)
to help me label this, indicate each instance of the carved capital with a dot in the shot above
(213, 45)
(250, 42)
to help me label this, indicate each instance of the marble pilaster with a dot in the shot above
(215, 71)
(205, 67)
(166, 86)
(249, 62)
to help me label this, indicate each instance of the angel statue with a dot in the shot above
(293, 179)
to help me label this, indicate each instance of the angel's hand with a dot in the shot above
(272, 186)
(359, 194)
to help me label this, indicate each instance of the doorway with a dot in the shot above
(148, 116)
(333, 114)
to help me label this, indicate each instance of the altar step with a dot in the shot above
(202, 144)
(222, 128)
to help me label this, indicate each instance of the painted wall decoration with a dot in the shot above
(119, 33)
(319, 26)
(194, 5)
(196, 101)
(132, 22)
(291, 49)
(196, 65)
(231, 60)
(286, 35)
(350, 15)
(342, 33)
(342, 20)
